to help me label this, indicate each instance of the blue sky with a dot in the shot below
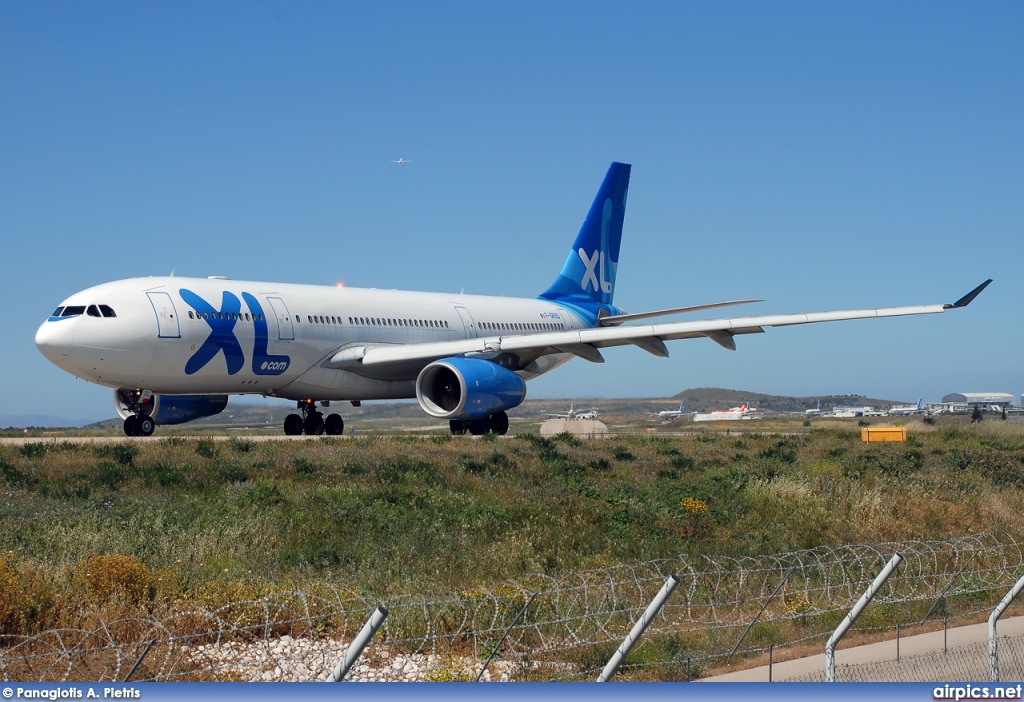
(817, 155)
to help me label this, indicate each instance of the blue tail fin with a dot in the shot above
(588, 276)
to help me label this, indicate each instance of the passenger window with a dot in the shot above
(190, 315)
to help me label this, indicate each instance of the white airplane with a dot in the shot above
(816, 412)
(402, 161)
(573, 414)
(908, 409)
(174, 349)
(668, 415)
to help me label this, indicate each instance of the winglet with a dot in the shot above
(968, 298)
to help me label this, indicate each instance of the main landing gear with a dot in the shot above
(497, 423)
(312, 422)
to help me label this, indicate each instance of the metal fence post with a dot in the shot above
(355, 648)
(771, 656)
(638, 629)
(763, 608)
(865, 599)
(993, 644)
(138, 662)
(494, 651)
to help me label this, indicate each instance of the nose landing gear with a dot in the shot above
(312, 421)
(138, 423)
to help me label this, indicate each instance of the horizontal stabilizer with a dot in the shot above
(611, 320)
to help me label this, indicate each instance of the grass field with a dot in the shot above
(158, 524)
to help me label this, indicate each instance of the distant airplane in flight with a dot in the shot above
(174, 349)
(402, 161)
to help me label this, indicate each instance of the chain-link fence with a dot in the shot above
(968, 663)
(567, 632)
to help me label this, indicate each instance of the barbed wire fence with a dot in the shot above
(541, 627)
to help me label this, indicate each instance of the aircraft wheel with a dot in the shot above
(144, 426)
(499, 423)
(334, 424)
(457, 426)
(293, 425)
(314, 425)
(131, 426)
(478, 427)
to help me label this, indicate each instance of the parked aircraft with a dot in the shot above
(668, 415)
(577, 414)
(174, 349)
(816, 412)
(908, 409)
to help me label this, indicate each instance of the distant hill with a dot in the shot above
(708, 399)
(36, 420)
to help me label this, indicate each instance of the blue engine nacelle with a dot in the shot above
(468, 388)
(168, 409)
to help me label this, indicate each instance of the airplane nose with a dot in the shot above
(54, 340)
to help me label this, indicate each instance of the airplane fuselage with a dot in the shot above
(217, 336)
(174, 349)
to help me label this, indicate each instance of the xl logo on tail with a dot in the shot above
(222, 336)
(590, 275)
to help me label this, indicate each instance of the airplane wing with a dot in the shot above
(586, 342)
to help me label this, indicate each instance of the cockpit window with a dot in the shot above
(56, 312)
(73, 311)
(107, 311)
(93, 311)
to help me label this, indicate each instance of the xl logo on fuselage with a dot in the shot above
(222, 336)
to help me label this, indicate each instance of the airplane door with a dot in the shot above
(467, 321)
(284, 320)
(166, 318)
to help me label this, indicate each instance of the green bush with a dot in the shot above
(206, 448)
(122, 454)
(621, 453)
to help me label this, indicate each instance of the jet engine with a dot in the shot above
(168, 409)
(468, 388)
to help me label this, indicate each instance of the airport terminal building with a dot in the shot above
(987, 399)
